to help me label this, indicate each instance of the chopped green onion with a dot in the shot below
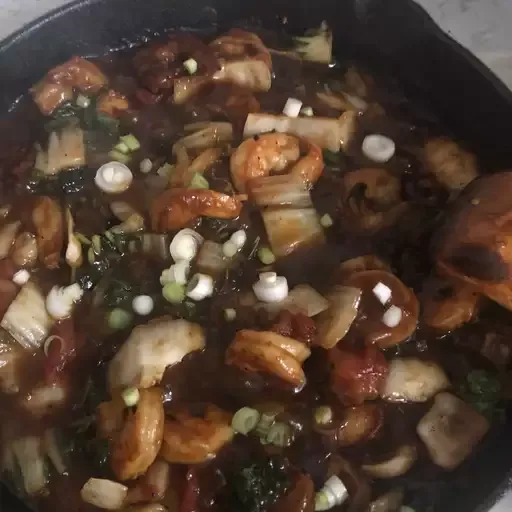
(322, 501)
(266, 256)
(307, 111)
(131, 397)
(245, 420)
(91, 257)
(229, 249)
(190, 65)
(230, 314)
(82, 239)
(326, 221)
(323, 415)
(82, 101)
(146, 165)
(122, 147)
(173, 293)
(119, 157)
(280, 434)
(266, 421)
(119, 319)
(166, 170)
(96, 243)
(131, 142)
(198, 181)
(110, 237)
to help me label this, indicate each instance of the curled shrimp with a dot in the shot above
(269, 352)
(192, 439)
(177, 207)
(136, 446)
(275, 152)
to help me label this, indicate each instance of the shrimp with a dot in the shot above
(191, 439)
(175, 208)
(137, 445)
(57, 86)
(49, 222)
(257, 157)
(270, 353)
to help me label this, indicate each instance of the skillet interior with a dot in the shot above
(397, 37)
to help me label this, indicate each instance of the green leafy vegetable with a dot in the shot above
(483, 391)
(118, 292)
(255, 488)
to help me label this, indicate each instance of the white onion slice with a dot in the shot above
(292, 107)
(113, 178)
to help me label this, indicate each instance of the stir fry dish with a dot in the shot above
(239, 275)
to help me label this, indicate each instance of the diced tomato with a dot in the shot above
(62, 349)
(189, 502)
(295, 325)
(357, 376)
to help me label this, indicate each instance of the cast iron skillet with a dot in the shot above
(396, 35)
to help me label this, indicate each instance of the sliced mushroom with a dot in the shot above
(450, 306)
(24, 253)
(371, 199)
(150, 349)
(370, 325)
(474, 245)
(334, 323)
(450, 430)
(356, 424)
(412, 380)
(452, 166)
(401, 461)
